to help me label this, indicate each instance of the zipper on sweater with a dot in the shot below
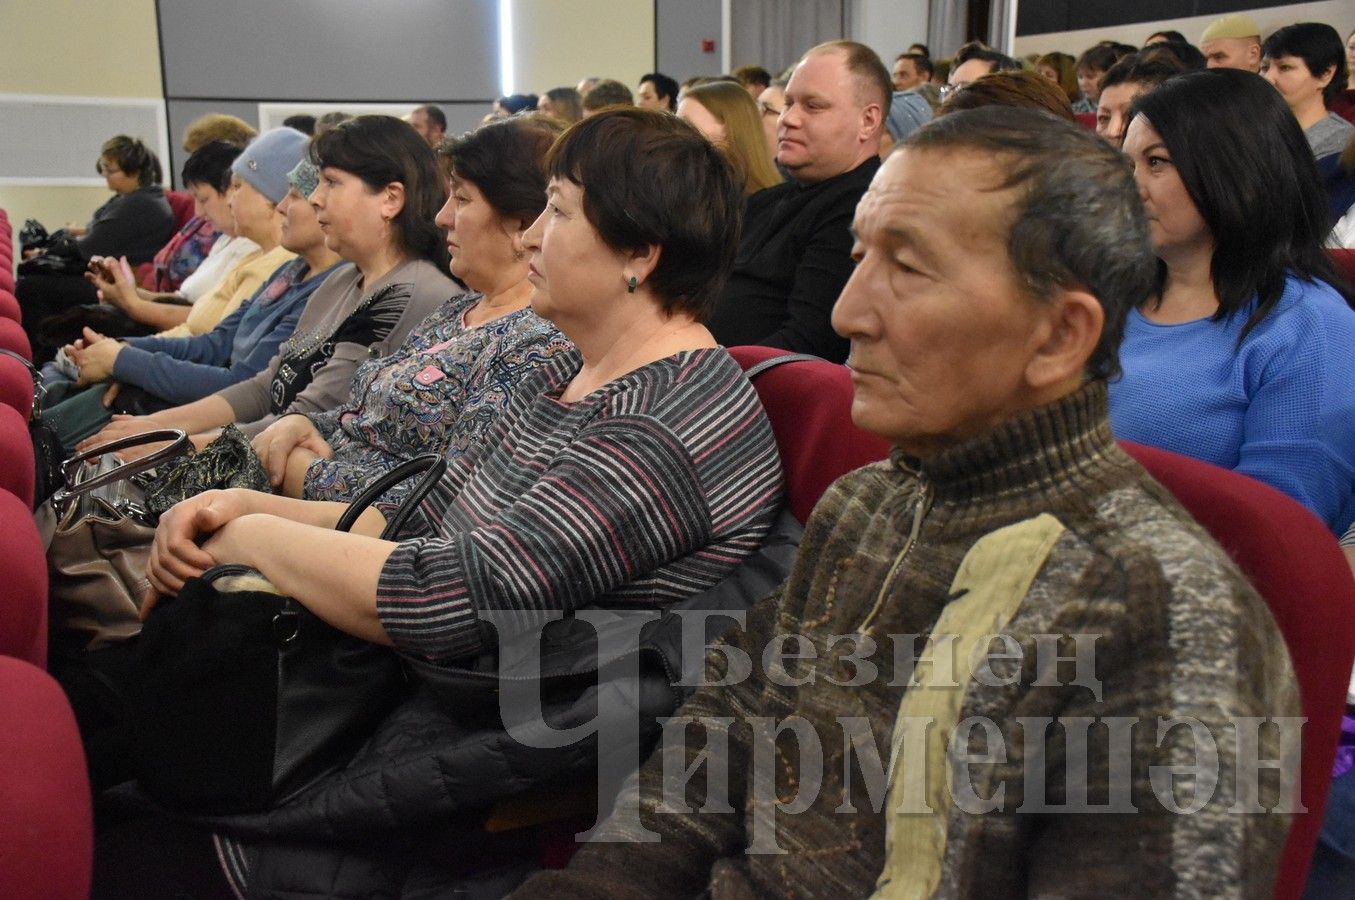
(924, 502)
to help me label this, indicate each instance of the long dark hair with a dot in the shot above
(381, 150)
(1265, 207)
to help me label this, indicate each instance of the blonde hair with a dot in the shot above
(745, 141)
(217, 127)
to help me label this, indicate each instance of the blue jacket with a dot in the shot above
(181, 370)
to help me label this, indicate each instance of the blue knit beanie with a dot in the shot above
(267, 160)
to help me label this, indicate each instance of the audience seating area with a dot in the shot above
(46, 824)
(46, 818)
(44, 793)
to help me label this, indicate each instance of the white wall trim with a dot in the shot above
(726, 35)
(156, 105)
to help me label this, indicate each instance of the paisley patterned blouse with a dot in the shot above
(440, 392)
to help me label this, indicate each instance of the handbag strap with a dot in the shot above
(431, 464)
(39, 389)
(772, 362)
(179, 444)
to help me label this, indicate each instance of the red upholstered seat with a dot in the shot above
(7, 275)
(1345, 261)
(1086, 120)
(809, 404)
(16, 384)
(46, 823)
(181, 202)
(1294, 563)
(16, 455)
(9, 305)
(23, 585)
(12, 337)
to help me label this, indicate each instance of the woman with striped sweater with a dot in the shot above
(635, 471)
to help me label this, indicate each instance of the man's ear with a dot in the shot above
(872, 118)
(1074, 321)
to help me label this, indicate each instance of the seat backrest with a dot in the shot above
(182, 204)
(1345, 261)
(23, 584)
(9, 304)
(1294, 563)
(16, 455)
(12, 337)
(809, 404)
(46, 823)
(16, 385)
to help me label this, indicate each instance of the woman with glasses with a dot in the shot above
(135, 223)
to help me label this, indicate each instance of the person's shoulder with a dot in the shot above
(1147, 545)
(1310, 314)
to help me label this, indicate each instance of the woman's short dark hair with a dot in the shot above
(210, 165)
(1097, 59)
(663, 86)
(133, 158)
(1183, 52)
(649, 178)
(1320, 48)
(1265, 208)
(382, 150)
(506, 160)
(1169, 35)
(1149, 67)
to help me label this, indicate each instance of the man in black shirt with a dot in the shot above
(795, 254)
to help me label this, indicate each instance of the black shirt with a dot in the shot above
(793, 261)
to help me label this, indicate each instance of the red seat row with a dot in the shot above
(46, 819)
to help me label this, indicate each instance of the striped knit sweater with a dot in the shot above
(646, 491)
(1177, 629)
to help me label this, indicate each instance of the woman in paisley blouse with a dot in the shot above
(455, 373)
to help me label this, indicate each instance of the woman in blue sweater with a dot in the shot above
(1243, 357)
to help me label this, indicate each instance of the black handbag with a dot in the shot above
(244, 697)
(33, 236)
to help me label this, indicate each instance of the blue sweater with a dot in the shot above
(1280, 408)
(182, 370)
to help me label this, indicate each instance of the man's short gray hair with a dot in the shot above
(1077, 220)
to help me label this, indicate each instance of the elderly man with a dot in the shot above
(794, 256)
(997, 646)
(430, 122)
(1232, 42)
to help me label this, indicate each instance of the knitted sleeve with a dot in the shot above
(621, 500)
(1298, 434)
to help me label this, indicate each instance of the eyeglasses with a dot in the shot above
(107, 170)
(769, 110)
(947, 90)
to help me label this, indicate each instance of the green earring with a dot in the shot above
(631, 285)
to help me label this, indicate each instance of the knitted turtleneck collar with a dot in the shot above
(1041, 452)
